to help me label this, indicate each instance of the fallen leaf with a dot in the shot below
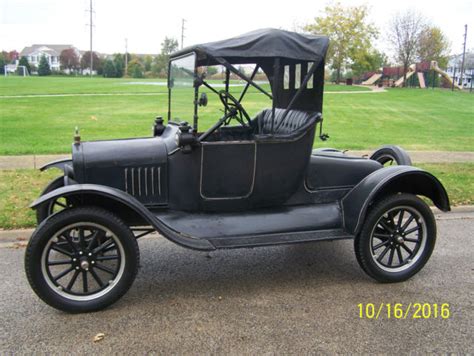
(93, 118)
(99, 337)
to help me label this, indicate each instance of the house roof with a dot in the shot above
(53, 49)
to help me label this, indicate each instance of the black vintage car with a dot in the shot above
(245, 182)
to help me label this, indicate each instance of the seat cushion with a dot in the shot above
(294, 121)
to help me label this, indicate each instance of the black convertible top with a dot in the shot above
(260, 44)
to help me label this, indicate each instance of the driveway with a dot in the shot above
(296, 299)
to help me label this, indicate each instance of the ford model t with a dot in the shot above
(246, 181)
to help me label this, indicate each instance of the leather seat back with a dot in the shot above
(295, 120)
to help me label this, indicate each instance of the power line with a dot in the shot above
(91, 25)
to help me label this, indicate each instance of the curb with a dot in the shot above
(19, 237)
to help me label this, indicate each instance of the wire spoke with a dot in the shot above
(411, 240)
(73, 279)
(385, 225)
(82, 240)
(85, 285)
(104, 268)
(96, 277)
(69, 241)
(382, 236)
(63, 273)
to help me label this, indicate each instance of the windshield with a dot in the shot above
(181, 85)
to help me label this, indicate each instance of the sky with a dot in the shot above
(145, 23)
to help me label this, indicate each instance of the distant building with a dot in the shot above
(454, 69)
(51, 52)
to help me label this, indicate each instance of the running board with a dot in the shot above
(260, 227)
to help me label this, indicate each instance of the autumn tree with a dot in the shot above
(135, 68)
(405, 30)
(433, 46)
(368, 61)
(86, 61)
(69, 59)
(43, 67)
(119, 64)
(349, 31)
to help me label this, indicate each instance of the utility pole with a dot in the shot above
(90, 26)
(463, 54)
(182, 32)
(126, 57)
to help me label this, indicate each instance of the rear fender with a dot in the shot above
(124, 205)
(385, 181)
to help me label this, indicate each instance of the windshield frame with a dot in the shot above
(196, 89)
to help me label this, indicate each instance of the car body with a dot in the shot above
(256, 183)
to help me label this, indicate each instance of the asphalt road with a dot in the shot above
(287, 300)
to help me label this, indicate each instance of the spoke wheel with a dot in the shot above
(397, 238)
(81, 259)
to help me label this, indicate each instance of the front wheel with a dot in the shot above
(81, 259)
(397, 238)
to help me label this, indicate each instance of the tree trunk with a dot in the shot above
(338, 75)
(405, 68)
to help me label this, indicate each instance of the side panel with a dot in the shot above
(403, 179)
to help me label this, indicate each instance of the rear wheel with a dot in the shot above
(391, 155)
(81, 259)
(54, 205)
(397, 238)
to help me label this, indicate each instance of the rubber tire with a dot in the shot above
(362, 240)
(49, 227)
(400, 156)
(42, 212)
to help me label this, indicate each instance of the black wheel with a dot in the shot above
(81, 259)
(391, 155)
(54, 205)
(397, 238)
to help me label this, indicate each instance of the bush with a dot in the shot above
(109, 69)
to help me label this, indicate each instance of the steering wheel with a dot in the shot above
(235, 109)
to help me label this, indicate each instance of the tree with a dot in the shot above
(2, 64)
(43, 67)
(404, 34)
(349, 32)
(69, 59)
(433, 46)
(147, 62)
(24, 62)
(368, 61)
(160, 66)
(86, 61)
(119, 64)
(135, 68)
(109, 70)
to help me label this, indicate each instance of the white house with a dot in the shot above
(454, 69)
(51, 52)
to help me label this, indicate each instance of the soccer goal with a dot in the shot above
(14, 70)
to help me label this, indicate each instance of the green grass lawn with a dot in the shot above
(413, 118)
(18, 188)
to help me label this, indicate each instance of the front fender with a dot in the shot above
(126, 201)
(391, 180)
(60, 163)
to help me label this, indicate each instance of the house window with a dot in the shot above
(310, 81)
(286, 77)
